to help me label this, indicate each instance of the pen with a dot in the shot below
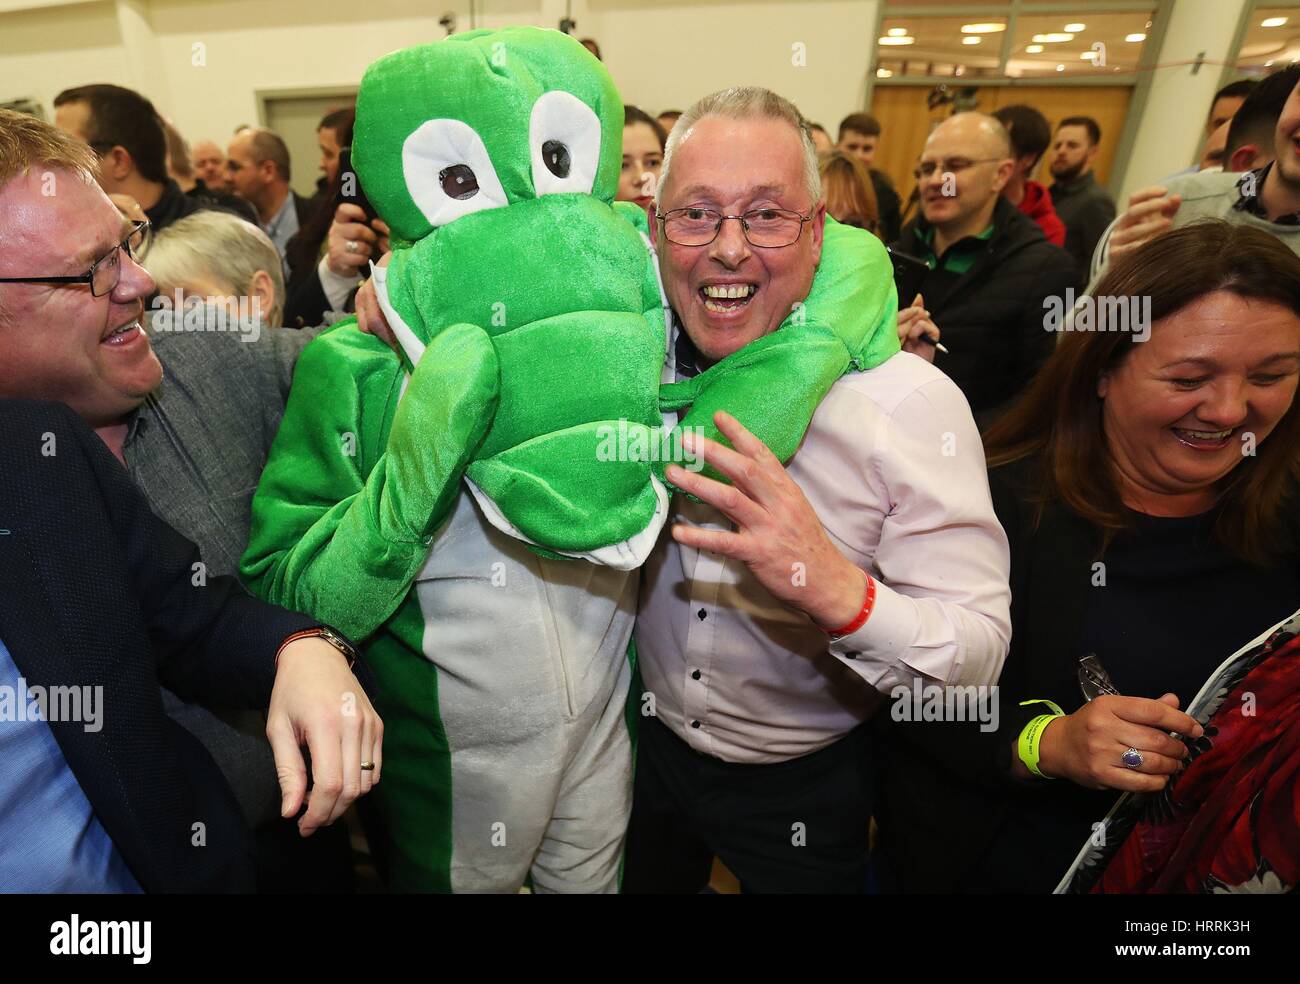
(927, 337)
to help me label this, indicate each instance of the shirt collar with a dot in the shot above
(685, 354)
(1075, 185)
(1249, 185)
(925, 232)
(279, 217)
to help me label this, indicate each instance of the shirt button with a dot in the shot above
(702, 614)
(695, 675)
(695, 724)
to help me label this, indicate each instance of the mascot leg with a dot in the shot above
(582, 849)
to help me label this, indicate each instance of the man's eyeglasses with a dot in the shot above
(953, 164)
(104, 275)
(767, 228)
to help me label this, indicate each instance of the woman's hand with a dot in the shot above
(1087, 746)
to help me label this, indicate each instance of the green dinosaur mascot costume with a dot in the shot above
(458, 509)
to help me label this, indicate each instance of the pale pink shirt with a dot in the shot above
(893, 465)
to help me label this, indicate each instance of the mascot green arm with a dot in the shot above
(347, 500)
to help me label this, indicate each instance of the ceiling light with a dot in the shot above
(1051, 38)
(989, 28)
(1134, 38)
(1033, 49)
(1272, 22)
(972, 39)
(897, 32)
(1074, 28)
(897, 41)
(884, 73)
(1060, 68)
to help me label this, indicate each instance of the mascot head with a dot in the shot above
(485, 120)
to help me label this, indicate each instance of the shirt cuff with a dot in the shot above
(335, 288)
(885, 653)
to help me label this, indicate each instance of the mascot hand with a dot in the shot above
(440, 422)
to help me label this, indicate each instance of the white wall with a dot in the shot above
(48, 49)
(202, 62)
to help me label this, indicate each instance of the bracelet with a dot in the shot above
(1032, 734)
(329, 635)
(867, 604)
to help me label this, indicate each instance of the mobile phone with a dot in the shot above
(350, 189)
(909, 274)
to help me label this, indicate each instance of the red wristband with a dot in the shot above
(324, 632)
(867, 603)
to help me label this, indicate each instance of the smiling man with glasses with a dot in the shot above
(766, 632)
(190, 414)
(123, 598)
(985, 267)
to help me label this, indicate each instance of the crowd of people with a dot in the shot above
(946, 512)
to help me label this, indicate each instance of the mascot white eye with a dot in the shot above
(564, 138)
(448, 172)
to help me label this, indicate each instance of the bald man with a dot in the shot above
(257, 164)
(210, 165)
(985, 270)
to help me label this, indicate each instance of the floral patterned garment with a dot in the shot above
(1230, 822)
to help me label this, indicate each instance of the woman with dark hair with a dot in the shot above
(1147, 482)
(643, 157)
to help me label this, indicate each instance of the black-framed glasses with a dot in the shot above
(951, 164)
(767, 228)
(106, 272)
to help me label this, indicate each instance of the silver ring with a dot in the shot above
(1132, 759)
(351, 246)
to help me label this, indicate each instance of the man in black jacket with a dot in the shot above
(100, 597)
(1084, 206)
(194, 442)
(126, 133)
(985, 269)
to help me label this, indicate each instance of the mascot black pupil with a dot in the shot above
(458, 181)
(556, 156)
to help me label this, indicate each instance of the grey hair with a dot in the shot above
(221, 245)
(746, 103)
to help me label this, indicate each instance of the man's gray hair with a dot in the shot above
(747, 103)
(222, 246)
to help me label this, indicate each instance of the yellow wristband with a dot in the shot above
(1027, 744)
(1056, 708)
